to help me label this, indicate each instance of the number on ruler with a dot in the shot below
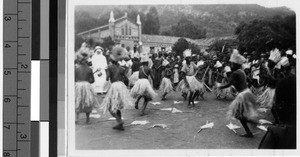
(7, 127)
(23, 136)
(6, 154)
(7, 46)
(24, 66)
(7, 72)
(7, 18)
(7, 100)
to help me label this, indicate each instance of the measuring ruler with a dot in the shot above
(16, 77)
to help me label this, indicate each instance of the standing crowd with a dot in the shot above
(265, 80)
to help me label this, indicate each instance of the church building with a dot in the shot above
(127, 32)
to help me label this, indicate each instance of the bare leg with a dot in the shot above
(118, 117)
(191, 98)
(248, 132)
(87, 118)
(194, 96)
(164, 96)
(144, 106)
(137, 102)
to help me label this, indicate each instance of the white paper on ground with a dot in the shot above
(178, 102)
(155, 103)
(143, 122)
(159, 125)
(113, 118)
(95, 115)
(166, 109)
(207, 125)
(232, 127)
(175, 110)
(263, 121)
(262, 127)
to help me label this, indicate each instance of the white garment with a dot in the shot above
(99, 61)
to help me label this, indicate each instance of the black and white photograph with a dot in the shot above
(181, 78)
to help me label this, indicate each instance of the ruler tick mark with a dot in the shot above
(22, 54)
(22, 20)
(10, 68)
(21, 89)
(22, 106)
(10, 95)
(23, 36)
(10, 41)
(23, 140)
(24, 72)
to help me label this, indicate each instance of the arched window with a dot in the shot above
(123, 31)
(126, 29)
(129, 30)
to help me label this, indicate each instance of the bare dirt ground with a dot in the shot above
(180, 133)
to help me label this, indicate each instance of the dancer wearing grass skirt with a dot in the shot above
(118, 96)
(143, 88)
(243, 107)
(166, 84)
(190, 83)
(85, 99)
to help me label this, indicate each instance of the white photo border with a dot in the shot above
(70, 95)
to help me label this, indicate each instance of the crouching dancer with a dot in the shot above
(243, 106)
(118, 96)
(142, 88)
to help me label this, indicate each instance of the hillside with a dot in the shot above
(218, 20)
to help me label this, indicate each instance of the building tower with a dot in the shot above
(138, 21)
(111, 24)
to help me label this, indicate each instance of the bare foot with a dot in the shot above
(143, 114)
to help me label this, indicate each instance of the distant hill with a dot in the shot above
(219, 20)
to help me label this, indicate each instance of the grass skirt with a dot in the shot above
(133, 78)
(117, 98)
(143, 88)
(85, 99)
(222, 93)
(194, 85)
(267, 98)
(243, 106)
(166, 85)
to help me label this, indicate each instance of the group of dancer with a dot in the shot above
(251, 79)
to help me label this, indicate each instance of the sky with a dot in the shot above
(292, 4)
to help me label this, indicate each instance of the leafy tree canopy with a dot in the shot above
(265, 34)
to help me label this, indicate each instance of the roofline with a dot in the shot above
(116, 21)
(97, 28)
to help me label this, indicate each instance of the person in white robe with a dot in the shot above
(99, 65)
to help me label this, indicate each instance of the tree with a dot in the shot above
(181, 45)
(186, 28)
(84, 21)
(151, 25)
(266, 34)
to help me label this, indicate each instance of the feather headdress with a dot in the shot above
(275, 56)
(289, 52)
(218, 64)
(284, 61)
(236, 57)
(187, 53)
